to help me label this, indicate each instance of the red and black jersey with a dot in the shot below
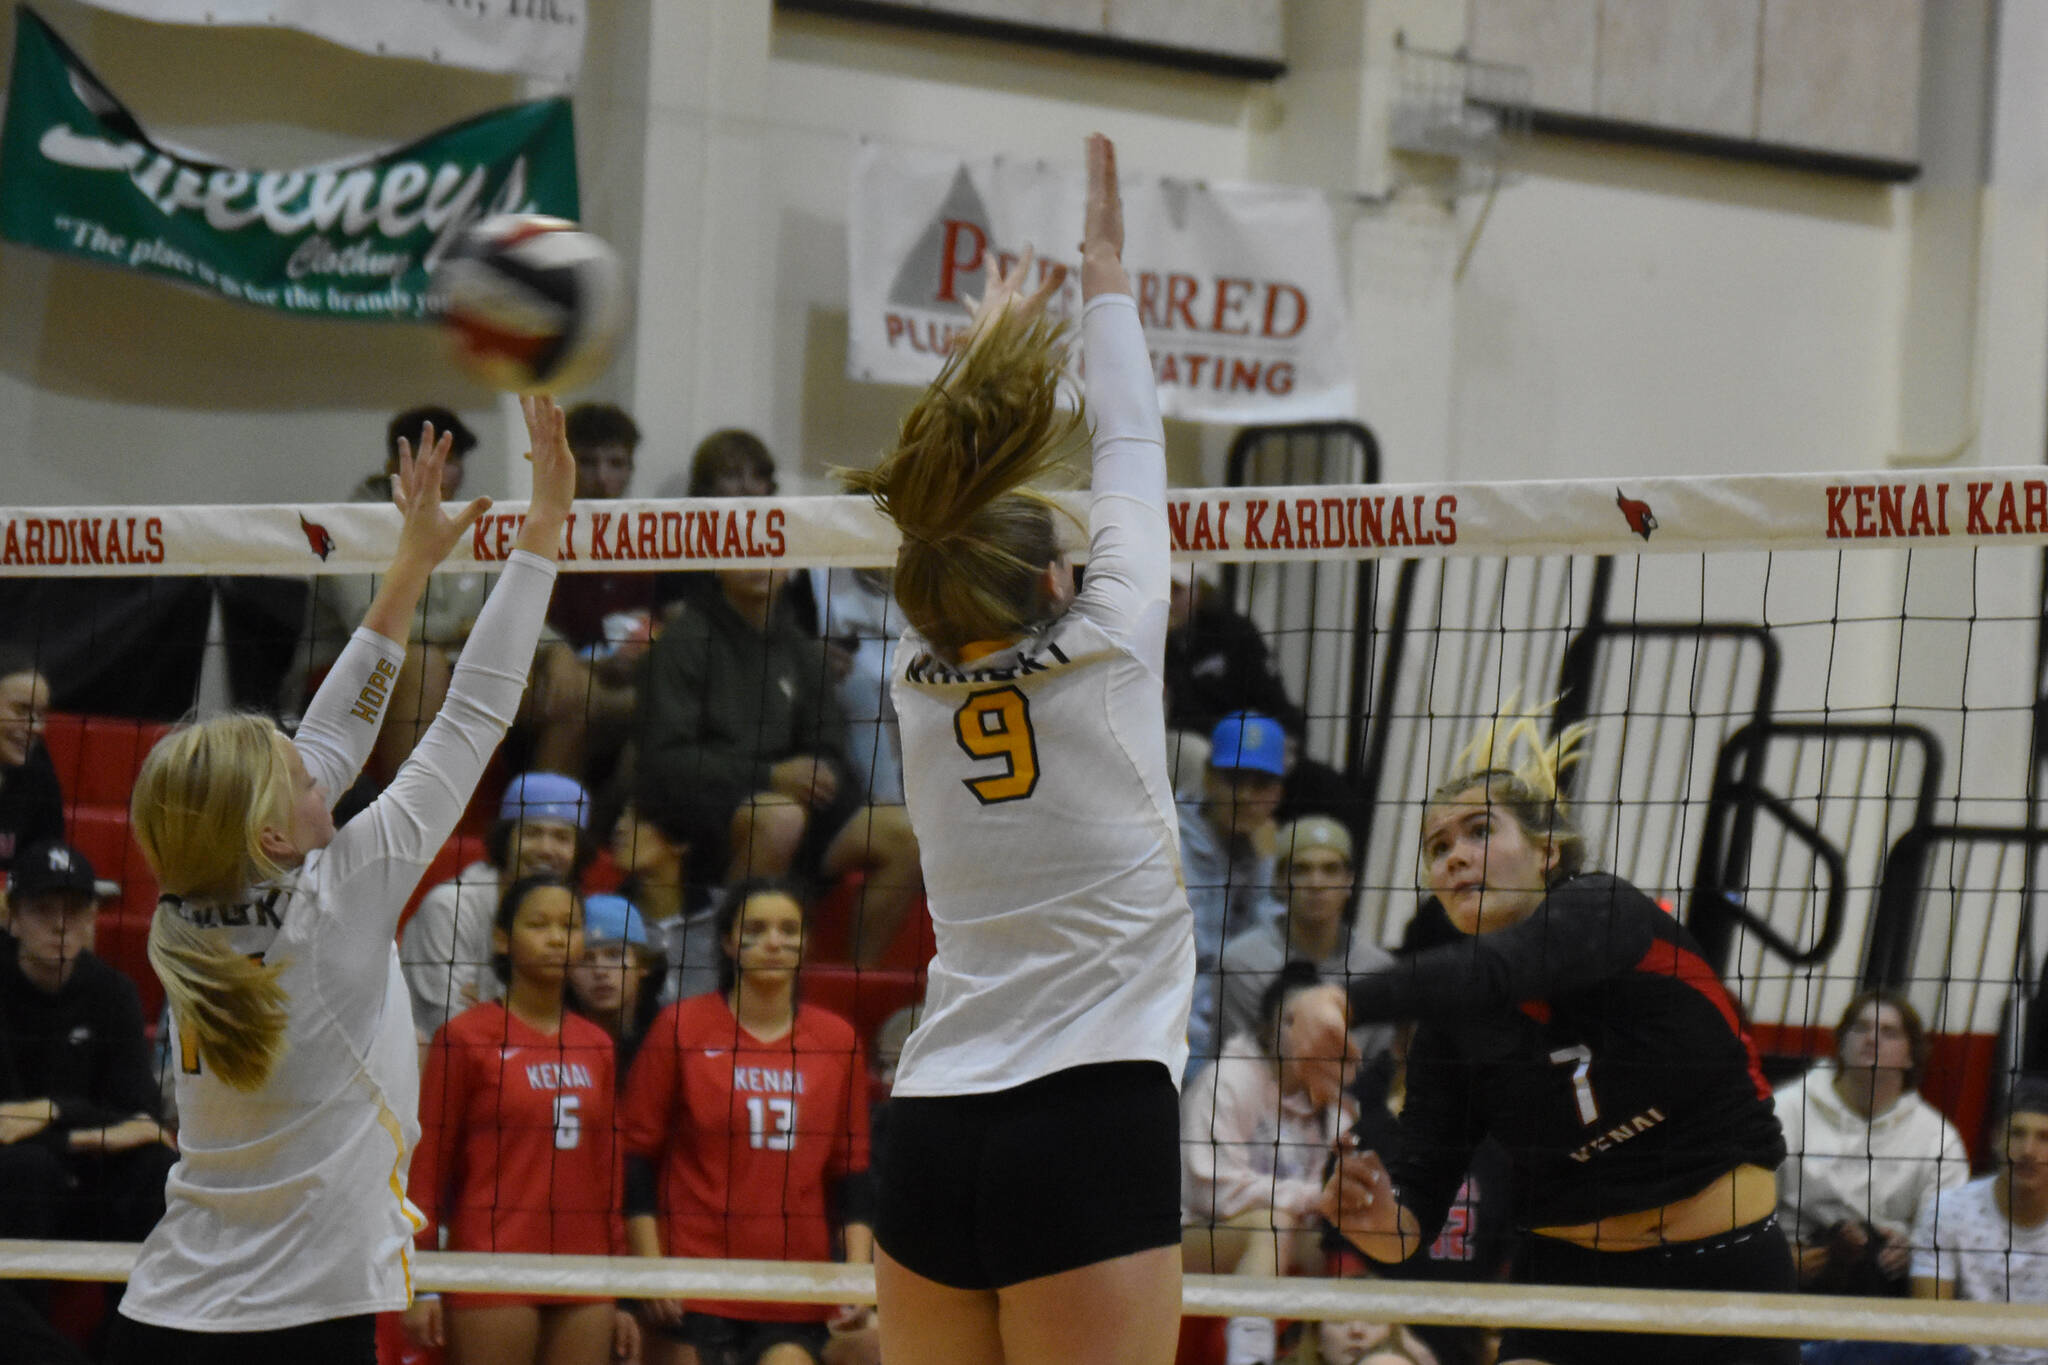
(518, 1151)
(748, 1138)
(1593, 1042)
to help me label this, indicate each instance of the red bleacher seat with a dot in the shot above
(97, 757)
(862, 996)
(831, 928)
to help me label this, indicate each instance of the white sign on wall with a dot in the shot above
(536, 37)
(1237, 285)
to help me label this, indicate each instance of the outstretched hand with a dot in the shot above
(1102, 228)
(1005, 292)
(554, 475)
(428, 532)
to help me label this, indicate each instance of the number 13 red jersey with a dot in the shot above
(748, 1137)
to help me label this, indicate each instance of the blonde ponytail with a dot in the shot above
(975, 539)
(198, 810)
(229, 1006)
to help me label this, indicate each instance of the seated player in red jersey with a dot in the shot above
(746, 1132)
(517, 1150)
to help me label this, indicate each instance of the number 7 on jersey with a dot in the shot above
(996, 724)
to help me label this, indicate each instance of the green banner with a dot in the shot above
(352, 238)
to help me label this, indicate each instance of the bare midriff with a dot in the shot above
(1743, 1196)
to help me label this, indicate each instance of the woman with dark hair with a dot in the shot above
(517, 1149)
(746, 1131)
(1865, 1150)
(1577, 1023)
(31, 802)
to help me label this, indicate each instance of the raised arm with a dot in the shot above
(396, 837)
(1583, 932)
(1130, 564)
(341, 723)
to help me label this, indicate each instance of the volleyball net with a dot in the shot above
(1812, 702)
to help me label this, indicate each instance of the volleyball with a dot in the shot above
(532, 303)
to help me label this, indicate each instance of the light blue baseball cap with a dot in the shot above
(546, 796)
(1245, 741)
(612, 919)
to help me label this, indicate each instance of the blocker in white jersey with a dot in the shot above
(1029, 1191)
(1037, 782)
(287, 1222)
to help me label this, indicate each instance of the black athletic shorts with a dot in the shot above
(742, 1341)
(986, 1191)
(1749, 1260)
(336, 1341)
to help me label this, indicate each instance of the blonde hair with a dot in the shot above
(975, 539)
(200, 804)
(1528, 790)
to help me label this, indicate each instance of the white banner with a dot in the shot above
(1237, 285)
(537, 37)
(1958, 508)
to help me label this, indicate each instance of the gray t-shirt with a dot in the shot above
(1962, 1237)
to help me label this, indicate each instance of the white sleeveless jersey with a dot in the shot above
(287, 1204)
(1036, 780)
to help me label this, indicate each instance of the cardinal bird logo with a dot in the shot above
(316, 537)
(1641, 519)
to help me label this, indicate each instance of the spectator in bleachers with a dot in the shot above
(1478, 1236)
(603, 437)
(1217, 661)
(517, 1149)
(588, 687)
(1226, 852)
(746, 1131)
(1315, 922)
(1359, 1342)
(741, 734)
(654, 854)
(542, 827)
(608, 983)
(82, 1154)
(861, 624)
(441, 622)
(1864, 1152)
(682, 915)
(1258, 1127)
(733, 462)
(1987, 1241)
(31, 802)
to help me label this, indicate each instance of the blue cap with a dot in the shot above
(546, 796)
(1245, 741)
(612, 919)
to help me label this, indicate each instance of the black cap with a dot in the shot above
(51, 867)
(409, 422)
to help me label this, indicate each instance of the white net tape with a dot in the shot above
(1585, 517)
(1685, 1312)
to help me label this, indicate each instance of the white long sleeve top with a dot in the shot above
(287, 1205)
(1052, 860)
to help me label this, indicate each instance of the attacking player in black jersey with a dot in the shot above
(1578, 1025)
